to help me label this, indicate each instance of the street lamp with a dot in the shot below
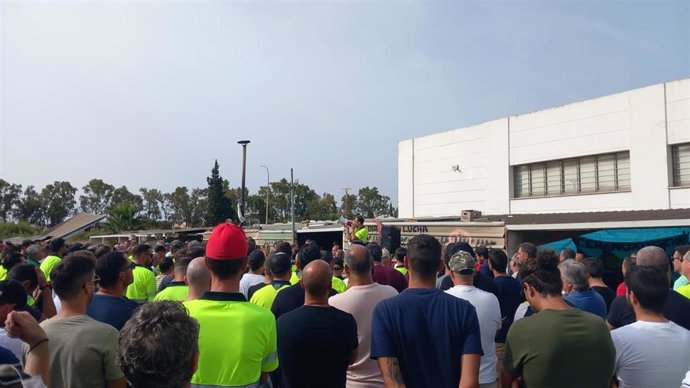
(268, 189)
(244, 175)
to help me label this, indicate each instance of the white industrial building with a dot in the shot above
(623, 152)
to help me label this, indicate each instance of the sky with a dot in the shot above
(150, 93)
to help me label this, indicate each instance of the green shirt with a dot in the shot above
(3, 273)
(266, 295)
(402, 270)
(362, 234)
(561, 349)
(684, 290)
(174, 291)
(237, 340)
(336, 284)
(143, 288)
(48, 263)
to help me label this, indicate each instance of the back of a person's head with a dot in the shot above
(650, 286)
(140, 249)
(682, 249)
(12, 292)
(34, 252)
(498, 260)
(70, 274)
(24, 272)
(400, 254)
(482, 251)
(308, 253)
(568, 253)
(75, 247)
(360, 219)
(181, 265)
(653, 257)
(424, 255)
(279, 263)
(10, 260)
(55, 244)
(284, 247)
(575, 273)
(157, 346)
(358, 260)
(166, 264)
(256, 259)
(629, 262)
(101, 249)
(316, 278)
(109, 267)
(542, 273)
(198, 274)
(529, 249)
(375, 252)
(594, 266)
(195, 250)
(159, 248)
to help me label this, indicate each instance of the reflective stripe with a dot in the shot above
(254, 385)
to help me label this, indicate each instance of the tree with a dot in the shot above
(97, 196)
(30, 207)
(280, 200)
(219, 206)
(10, 195)
(371, 204)
(199, 207)
(123, 217)
(58, 201)
(348, 203)
(122, 195)
(153, 203)
(179, 204)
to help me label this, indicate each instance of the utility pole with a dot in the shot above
(347, 200)
(292, 206)
(244, 176)
(268, 189)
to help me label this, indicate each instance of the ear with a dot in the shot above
(207, 262)
(632, 298)
(346, 270)
(245, 261)
(185, 280)
(195, 362)
(406, 263)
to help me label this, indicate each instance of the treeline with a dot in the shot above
(152, 208)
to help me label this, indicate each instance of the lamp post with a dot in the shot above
(244, 175)
(268, 189)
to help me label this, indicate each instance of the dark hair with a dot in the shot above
(594, 267)
(400, 254)
(279, 263)
(157, 346)
(55, 244)
(529, 249)
(13, 292)
(256, 259)
(109, 266)
(284, 247)
(358, 266)
(159, 248)
(12, 259)
(141, 248)
(101, 250)
(649, 285)
(482, 251)
(375, 252)
(70, 274)
(181, 264)
(75, 247)
(360, 219)
(682, 249)
(629, 262)
(542, 273)
(224, 269)
(424, 255)
(308, 253)
(498, 260)
(568, 253)
(23, 272)
(195, 251)
(166, 264)
(251, 245)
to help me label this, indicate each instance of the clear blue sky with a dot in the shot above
(150, 93)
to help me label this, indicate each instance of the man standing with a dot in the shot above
(579, 353)
(237, 339)
(143, 288)
(281, 270)
(678, 254)
(109, 305)
(595, 272)
(83, 351)
(56, 249)
(360, 299)
(34, 255)
(463, 267)
(410, 332)
(526, 251)
(177, 289)
(652, 352)
(685, 270)
(482, 254)
(384, 274)
(357, 231)
(307, 334)
(256, 271)
(577, 291)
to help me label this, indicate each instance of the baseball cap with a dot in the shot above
(227, 242)
(279, 263)
(462, 263)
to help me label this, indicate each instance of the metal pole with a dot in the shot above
(292, 206)
(244, 175)
(268, 189)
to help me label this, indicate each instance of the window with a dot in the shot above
(588, 174)
(680, 154)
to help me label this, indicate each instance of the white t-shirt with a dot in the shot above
(489, 315)
(249, 280)
(360, 302)
(686, 381)
(651, 354)
(12, 344)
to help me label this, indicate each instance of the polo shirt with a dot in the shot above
(402, 270)
(237, 340)
(388, 276)
(3, 273)
(362, 234)
(143, 288)
(175, 291)
(337, 284)
(48, 263)
(266, 295)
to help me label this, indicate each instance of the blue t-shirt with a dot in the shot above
(589, 301)
(112, 310)
(509, 298)
(428, 331)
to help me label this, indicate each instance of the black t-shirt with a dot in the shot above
(608, 294)
(677, 309)
(290, 299)
(482, 282)
(315, 345)
(509, 299)
(254, 289)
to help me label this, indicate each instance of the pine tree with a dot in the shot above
(219, 206)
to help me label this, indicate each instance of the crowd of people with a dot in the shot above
(229, 313)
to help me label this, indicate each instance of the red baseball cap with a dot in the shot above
(227, 242)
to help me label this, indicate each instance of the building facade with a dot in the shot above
(623, 152)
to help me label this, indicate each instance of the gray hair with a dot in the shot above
(358, 263)
(33, 252)
(653, 257)
(575, 273)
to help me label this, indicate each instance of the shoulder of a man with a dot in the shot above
(619, 313)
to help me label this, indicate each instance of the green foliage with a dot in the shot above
(10, 194)
(58, 201)
(18, 229)
(218, 205)
(97, 196)
(371, 204)
(123, 217)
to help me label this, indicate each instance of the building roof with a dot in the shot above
(598, 220)
(66, 228)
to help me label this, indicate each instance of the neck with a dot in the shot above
(179, 278)
(596, 282)
(549, 303)
(195, 293)
(71, 308)
(360, 280)
(226, 285)
(416, 281)
(498, 274)
(463, 282)
(648, 316)
(141, 262)
(116, 290)
(257, 272)
(281, 279)
(315, 300)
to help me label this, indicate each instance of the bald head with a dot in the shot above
(653, 257)
(358, 260)
(198, 275)
(317, 277)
